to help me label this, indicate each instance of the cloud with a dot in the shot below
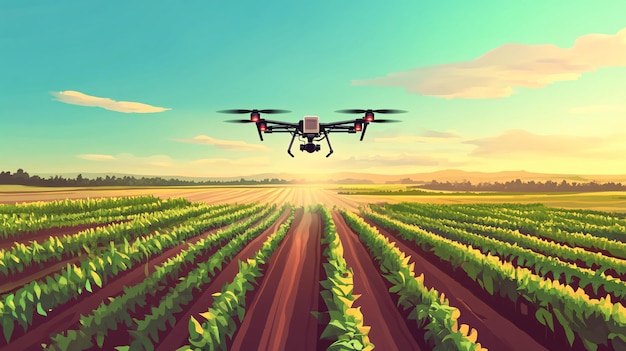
(395, 160)
(591, 109)
(436, 134)
(248, 162)
(524, 142)
(500, 71)
(78, 98)
(163, 165)
(96, 157)
(427, 136)
(231, 145)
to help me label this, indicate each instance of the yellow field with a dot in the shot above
(307, 194)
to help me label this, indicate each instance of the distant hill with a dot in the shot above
(451, 175)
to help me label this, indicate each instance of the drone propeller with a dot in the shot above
(238, 111)
(239, 121)
(353, 111)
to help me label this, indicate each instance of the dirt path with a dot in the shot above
(495, 332)
(174, 338)
(45, 234)
(279, 317)
(388, 331)
(66, 316)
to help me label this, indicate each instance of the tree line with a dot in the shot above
(530, 186)
(23, 178)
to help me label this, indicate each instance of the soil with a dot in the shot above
(495, 332)
(45, 234)
(68, 315)
(176, 337)
(279, 317)
(389, 331)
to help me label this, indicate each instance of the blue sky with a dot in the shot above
(489, 85)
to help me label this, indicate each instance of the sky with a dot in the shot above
(133, 86)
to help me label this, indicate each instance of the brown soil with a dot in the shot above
(174, 338)
(35, 272)
(389, 332)
(45, 234)
(66, 316)
(279, 317)
(495, 332)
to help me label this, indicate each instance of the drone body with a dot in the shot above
(309, 127)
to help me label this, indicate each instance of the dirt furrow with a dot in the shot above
(64, 317)
(172, 339)
(388, 331)
(288, 294)
(495, 332)
(45, 234)
(284, 197)
(275, 196)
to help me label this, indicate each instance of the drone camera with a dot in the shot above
(311, 125)
(309, 147)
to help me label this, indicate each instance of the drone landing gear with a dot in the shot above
(328, 140)
(293, 136)
(363, 132)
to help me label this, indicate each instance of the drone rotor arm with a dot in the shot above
(281, 124)
(335, 124)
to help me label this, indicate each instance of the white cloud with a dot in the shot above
(246, 162)
(591, 109)
(426, 136)
(96, 157)
(437, 134)
(78, 98)
(394, 160)
(232, 145)
(522, 142)
(499, 72)
(163, 165)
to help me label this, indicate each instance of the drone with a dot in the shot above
(310, 127)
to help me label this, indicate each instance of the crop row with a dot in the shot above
(572, 221)
(230, 302)
(515, 248)
(20, 256)
(429, 308)
(79, 205)
(547, 223)
(69, 283)
(592, 217)
(344, 323)
(496, 219)
(95, 327)
(17, 225)
(595, 321)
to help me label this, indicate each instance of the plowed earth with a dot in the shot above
(67, 316)
(278, 315)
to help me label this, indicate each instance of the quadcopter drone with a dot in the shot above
(310, 127)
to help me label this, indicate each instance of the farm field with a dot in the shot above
(302, 195)
(198, 268)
